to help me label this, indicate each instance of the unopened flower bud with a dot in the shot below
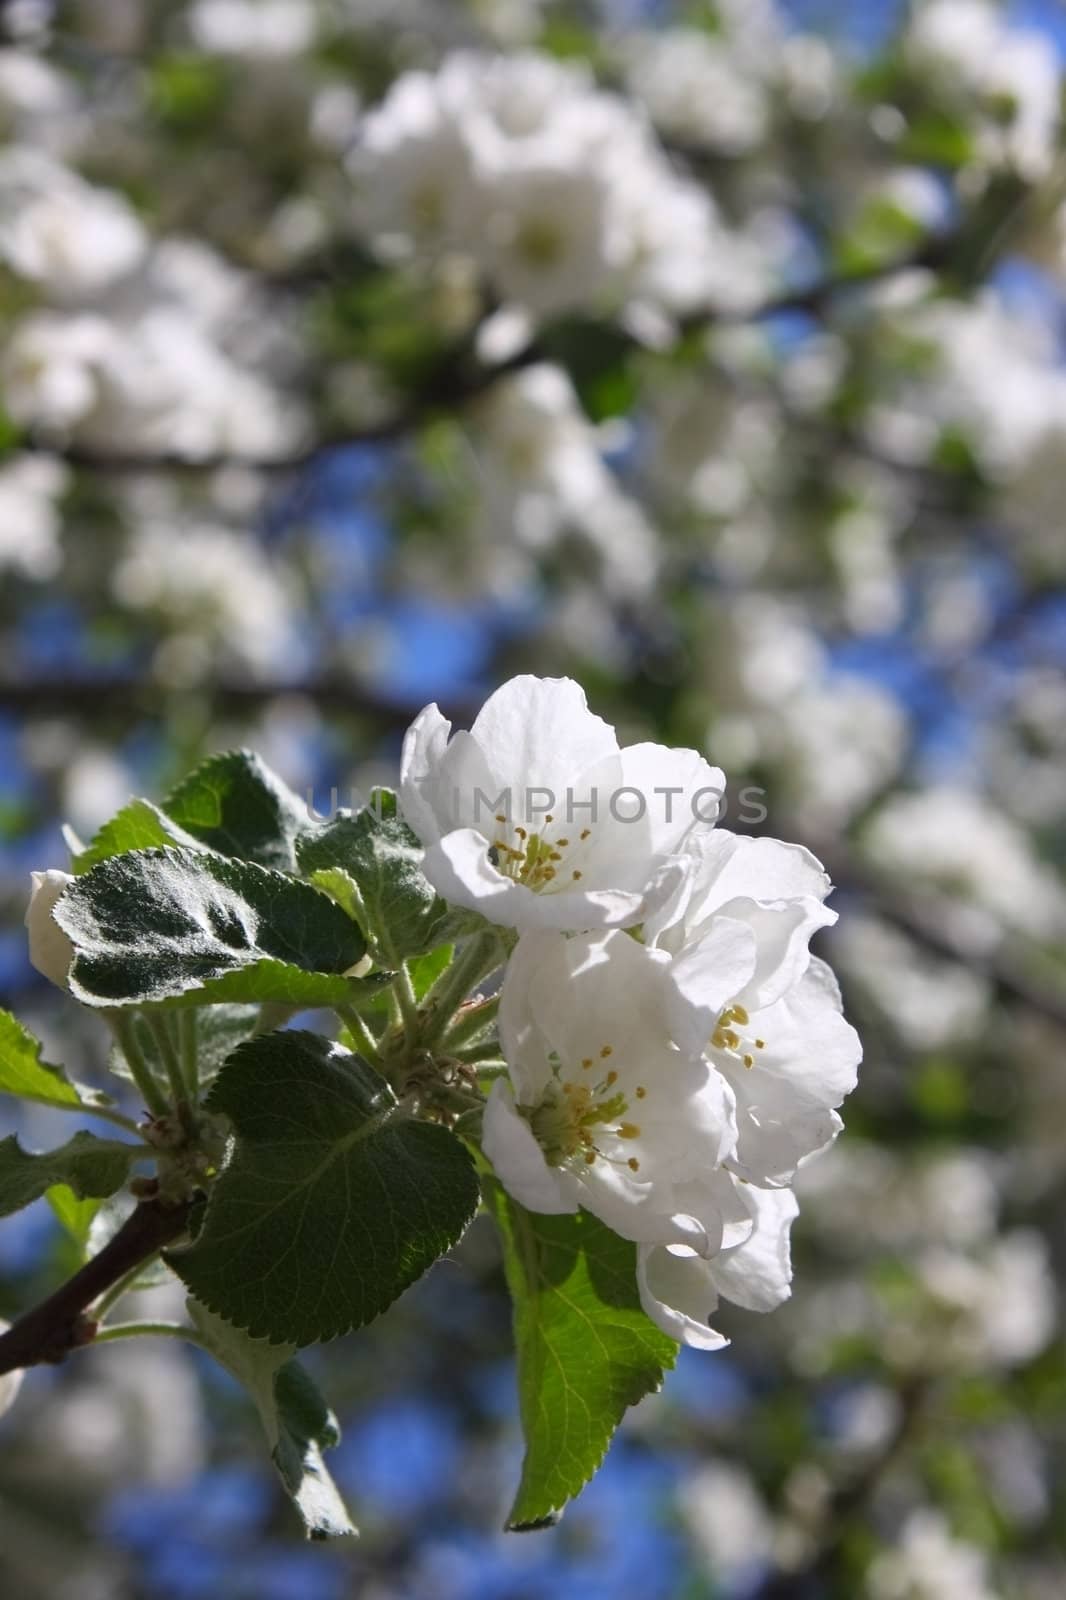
(51, 952)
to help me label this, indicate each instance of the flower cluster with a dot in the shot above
(673, 1050)
(558, 189)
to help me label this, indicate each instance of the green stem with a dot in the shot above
(480, 955)
(152, 1095)
(160, 1027)
(360, 1033)
(469, 1024)
(111, 1296)
(85, 1109)
(404, 991)
(188, 1039)
(165, 1330)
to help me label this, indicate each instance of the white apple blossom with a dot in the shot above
(743, 987)
(1004, 79)
(30, 486)
(696, 90)
(536, 817)
(265, 28)
(61, 233)
(51, 952)
(951, 839)
(541, 473)
(158, 382)
(929, 1563)
(216, 592)
(557, 190)
(600, 1110)
(680, 1286)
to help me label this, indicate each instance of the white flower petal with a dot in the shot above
(783, 932)
(459, 868)
(517, 1158)
(541, 731)
(678, 1294)
(423, 750)
(759, 869)
(758, 1273)
(706, 976)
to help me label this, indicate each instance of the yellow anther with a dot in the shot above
(607, 1050)
(587, 1063)
(590, 1156)
(500, 817)
(740, 1015)
(586, 833)
(640, 1091)
(633, 1164)
(549, 817)
(760, 1044)
(575, 875)
(611, 1078)
(521, 832)
(629, 1130)
(749, 1061)
(562, 843)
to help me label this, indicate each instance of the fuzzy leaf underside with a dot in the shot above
(193, 927)
(296, 1420)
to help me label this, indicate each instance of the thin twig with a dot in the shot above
(59, 1324)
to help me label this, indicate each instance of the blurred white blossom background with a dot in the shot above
(354, 355)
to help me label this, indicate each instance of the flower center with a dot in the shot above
(534, 859)
(727, 1037)
(576, 1112)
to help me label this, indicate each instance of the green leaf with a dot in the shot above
(181, 925)
(23, 1072)
(138, 826)
(233, 803)
(74, 1214)
(331, 1203)
(91, 1167)
(401, 913)
(219, 1030)
(297, 1422)
(586, 1350)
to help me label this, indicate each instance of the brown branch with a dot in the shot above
(127, 697)
(59, 1324)
(459, 378)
